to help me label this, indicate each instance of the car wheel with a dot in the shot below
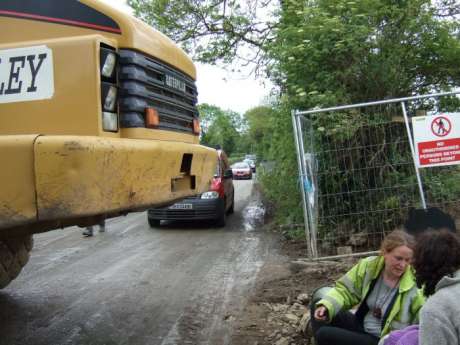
(232, 206)
(154, 223)
(222, 219)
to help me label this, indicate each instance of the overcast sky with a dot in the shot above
(216, 86)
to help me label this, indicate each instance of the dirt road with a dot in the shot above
(184, 283)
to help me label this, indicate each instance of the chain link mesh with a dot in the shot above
(364, 176)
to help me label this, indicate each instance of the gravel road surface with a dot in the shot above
(183, 283)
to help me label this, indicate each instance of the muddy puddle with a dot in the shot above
(253, 215)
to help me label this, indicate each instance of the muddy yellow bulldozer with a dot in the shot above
(98, 118)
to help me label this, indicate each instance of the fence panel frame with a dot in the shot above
(310, 225)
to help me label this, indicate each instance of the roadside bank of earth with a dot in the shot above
(277, 313)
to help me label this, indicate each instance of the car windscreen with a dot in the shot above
(240, 166)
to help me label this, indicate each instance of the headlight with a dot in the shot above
(109, 94)
(109, 91)
(210, 195)
(108, 62)
(109, 122)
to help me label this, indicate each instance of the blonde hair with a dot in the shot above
(396, 239)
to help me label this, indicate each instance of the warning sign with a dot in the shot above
(437, 139)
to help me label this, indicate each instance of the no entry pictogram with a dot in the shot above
(437, 139)
(441, 126)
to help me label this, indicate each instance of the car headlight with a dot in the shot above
(210, 195)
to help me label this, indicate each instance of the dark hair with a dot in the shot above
(437, 254)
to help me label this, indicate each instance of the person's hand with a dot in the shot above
(321, 313)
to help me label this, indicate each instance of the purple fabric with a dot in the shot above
(405, 336)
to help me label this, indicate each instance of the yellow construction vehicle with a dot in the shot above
(98, 118)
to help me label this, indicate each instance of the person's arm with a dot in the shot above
(347, 290)
(436, 329)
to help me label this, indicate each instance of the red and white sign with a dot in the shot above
(437, 139)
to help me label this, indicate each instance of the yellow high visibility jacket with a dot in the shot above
(353, 288)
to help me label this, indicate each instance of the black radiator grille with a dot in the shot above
(146, 82)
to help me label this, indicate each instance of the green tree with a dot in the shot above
(220, 127)
(260, 129)
(213, 31)
(320, 53)
(340, 51)
(332, 52)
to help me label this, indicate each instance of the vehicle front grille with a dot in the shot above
(147, 82)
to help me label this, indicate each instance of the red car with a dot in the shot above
(241, 170)
(214, 204)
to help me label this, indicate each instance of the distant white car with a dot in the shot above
(241, 170)
(251, 163)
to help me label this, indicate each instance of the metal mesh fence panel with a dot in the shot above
(364, 175)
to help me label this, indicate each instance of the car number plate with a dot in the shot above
(181, 207)
(26, 74)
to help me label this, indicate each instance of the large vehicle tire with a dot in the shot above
(154, 223)
(14, 254)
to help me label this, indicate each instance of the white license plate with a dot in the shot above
(181, 207)
(26, 74)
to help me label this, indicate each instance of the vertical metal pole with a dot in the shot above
(306, 176)
(417, 172)
(300, 164)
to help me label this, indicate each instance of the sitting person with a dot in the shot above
(437, 265)
(383, 286)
